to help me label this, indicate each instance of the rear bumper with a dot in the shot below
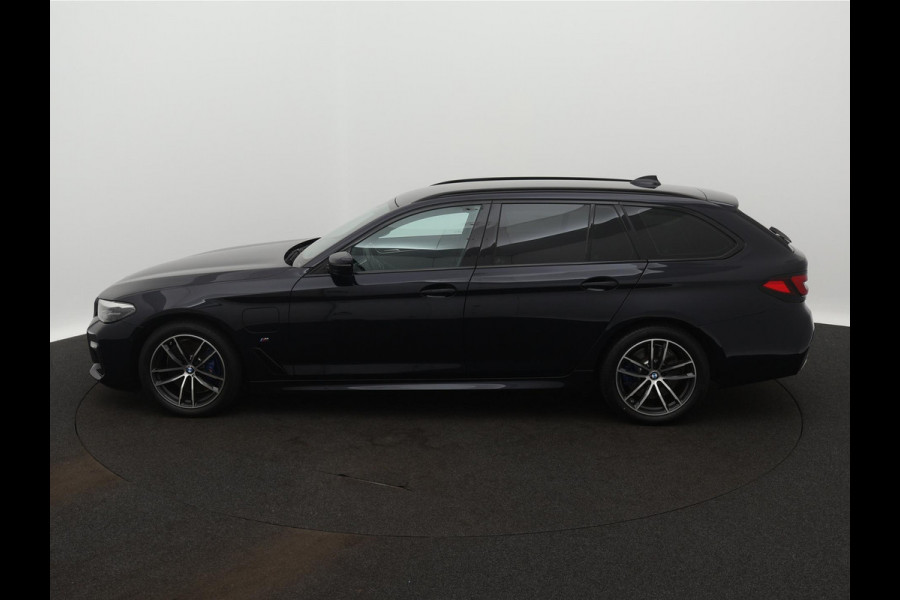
(767, 345)
(747, 369)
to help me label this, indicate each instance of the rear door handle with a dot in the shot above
(437, 290)
(599, 284)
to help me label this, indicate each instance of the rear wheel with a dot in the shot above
(655, 374)
(190, 369)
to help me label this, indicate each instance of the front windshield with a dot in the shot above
(329, 239)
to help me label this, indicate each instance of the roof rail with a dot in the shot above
(528, 178)
(647, 181)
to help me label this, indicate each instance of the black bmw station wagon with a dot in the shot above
(648, 291)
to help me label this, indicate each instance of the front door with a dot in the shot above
(399, 315)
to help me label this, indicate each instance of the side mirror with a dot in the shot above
(340, 263)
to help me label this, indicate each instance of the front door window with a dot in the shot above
(434, 239)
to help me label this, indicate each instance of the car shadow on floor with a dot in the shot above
(753, 401)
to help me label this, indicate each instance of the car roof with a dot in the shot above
(648, 187)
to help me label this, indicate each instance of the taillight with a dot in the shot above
(799, 282)
(777, 285)
(790, 287)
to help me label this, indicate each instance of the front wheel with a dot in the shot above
(655, 374)
(190, 369)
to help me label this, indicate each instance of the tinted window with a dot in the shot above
(434, 239)
(313, 250)
(609, 242)
(432, 224)
(531, 234)
(665, 233)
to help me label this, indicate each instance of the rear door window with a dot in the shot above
(534, 234)
(609, 242)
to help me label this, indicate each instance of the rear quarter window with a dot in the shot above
(665, 233)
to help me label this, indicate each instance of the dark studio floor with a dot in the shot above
(452, 495)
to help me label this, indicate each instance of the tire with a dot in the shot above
(190, 369)
(673, 385)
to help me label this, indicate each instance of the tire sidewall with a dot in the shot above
(231, 386)
(611, 360)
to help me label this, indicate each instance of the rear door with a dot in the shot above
(550, 277)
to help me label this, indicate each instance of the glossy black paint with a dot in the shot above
(478, 324)
(380, 325)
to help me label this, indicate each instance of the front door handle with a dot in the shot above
(599, 284)
(437, 290)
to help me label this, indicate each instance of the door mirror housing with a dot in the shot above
(340, 263)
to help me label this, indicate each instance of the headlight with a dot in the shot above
(109, 311)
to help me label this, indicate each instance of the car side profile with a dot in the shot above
(647, 291)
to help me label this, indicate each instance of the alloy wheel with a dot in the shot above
(187, 371)
(655, 377)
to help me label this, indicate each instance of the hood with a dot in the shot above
(229, 264)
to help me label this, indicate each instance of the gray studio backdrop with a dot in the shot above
(177, 128)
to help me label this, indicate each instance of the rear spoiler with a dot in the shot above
(780, 235)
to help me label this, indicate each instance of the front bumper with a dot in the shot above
(112, 353)
(97, 371)
(94, 349)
